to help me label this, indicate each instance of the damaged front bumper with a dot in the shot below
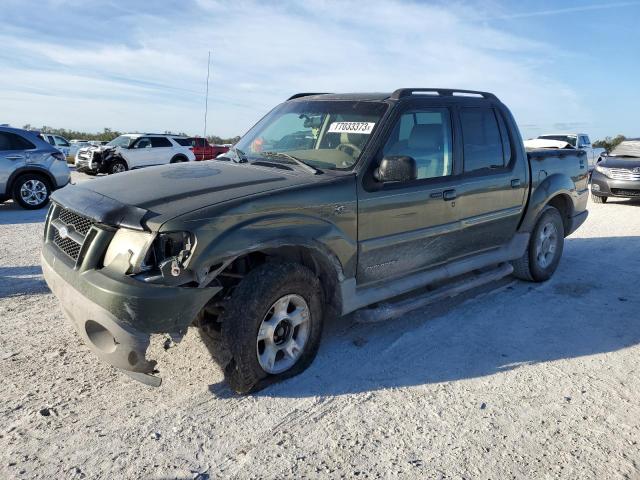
(115, 316)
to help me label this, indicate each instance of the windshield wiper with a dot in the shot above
(306, 166)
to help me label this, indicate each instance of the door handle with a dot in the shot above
(449, 195)
(515, 183)
(14, 157)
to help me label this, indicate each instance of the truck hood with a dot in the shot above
(157, 194)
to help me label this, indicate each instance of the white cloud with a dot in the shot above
(151, 75)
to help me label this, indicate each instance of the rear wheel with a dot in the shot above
(272, 325)
(178, 159)
(543, 254)
(31, 191)
(597, 199)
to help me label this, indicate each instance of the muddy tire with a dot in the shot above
(540, 260)
(272, 325)
(31, 191)
(597, 199)
(117, 166)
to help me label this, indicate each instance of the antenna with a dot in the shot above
(206, 98)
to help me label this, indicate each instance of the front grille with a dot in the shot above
(77, 227)
(623, 174)
(625, 193)
(67, 245)
(80, 224)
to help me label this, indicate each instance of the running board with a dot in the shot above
(386, 311)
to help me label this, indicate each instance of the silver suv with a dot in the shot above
(30, 168)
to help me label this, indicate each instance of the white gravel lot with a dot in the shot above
(516, 381)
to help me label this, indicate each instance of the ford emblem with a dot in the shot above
(63, 232)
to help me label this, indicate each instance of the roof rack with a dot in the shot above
(306, 94)
(443, 92)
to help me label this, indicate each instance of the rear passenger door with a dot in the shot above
(161, 151)
(407, 227)
(491, 195)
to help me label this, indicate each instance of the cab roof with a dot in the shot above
(396, 95)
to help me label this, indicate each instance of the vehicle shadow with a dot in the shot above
(21, 281)
(11, 213)
(590, 306)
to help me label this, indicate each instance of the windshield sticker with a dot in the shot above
(352, 127)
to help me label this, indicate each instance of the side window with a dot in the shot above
(157, 142)
(482, 143)
(424, 135)
(61, 142)
(584, 140)
(5, 141)
(143, 143)
(11, 141)
(506, 141)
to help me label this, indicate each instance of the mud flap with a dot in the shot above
(145, 378)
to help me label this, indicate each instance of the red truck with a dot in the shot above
(202, 149)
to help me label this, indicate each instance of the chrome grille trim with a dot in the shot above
(69, 231)
(623, 174)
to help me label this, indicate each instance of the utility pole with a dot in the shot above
(206, 98)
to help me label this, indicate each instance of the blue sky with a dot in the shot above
(141, 66)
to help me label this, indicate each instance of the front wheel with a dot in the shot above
(117, 166)
(597, 199)
(540, 260)
(272, 325)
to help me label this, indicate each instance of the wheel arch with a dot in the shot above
(312, 254)
(179, 157)
(557, 191)
(30, 169)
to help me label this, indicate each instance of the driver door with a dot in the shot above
(408, 227)
(140, 155)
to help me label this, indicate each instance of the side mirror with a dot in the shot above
(397, 168)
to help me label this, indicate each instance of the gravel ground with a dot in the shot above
(514, 381)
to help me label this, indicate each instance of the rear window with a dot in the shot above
(12, 141)
(482, 142)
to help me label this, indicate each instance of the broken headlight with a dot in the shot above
(151, 254)
(169, 254)
(129, 247)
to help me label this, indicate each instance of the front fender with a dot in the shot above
(284, 230)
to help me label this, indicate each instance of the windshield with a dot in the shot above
(570, 139)
(121, 141)
(322, 134)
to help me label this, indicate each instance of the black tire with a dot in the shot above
(117, 166)
(597, 199)
(531, 266)
(31, 191)
(252, 302)
(179, 159)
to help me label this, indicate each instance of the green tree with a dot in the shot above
(609, 143)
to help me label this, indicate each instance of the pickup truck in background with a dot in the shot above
(60, 143)
(202, 149)
(579, 141)
(329, 204)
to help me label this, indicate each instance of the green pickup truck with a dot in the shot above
(329, 204)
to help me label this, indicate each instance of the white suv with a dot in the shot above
(133, 150)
